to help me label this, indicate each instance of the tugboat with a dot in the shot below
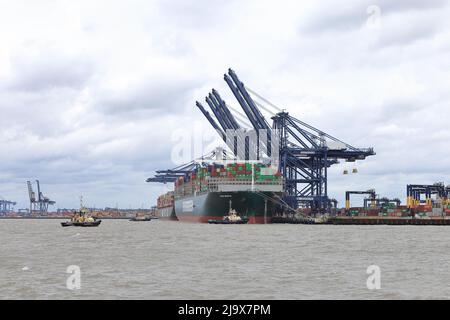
(141, 217)
(232, 218)
(82, 218)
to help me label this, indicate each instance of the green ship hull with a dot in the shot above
(257, 207)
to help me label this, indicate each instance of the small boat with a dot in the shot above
(82, 218)
(232, 218)
(94, 223)
(141, 217)
(242, 221)
(67, 224)
(77, 222)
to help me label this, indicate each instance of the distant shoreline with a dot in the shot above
(56, 218)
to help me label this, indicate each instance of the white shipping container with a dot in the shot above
(336, 145)
(437, 212)
(267, 171)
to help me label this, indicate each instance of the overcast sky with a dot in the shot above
(91, 92)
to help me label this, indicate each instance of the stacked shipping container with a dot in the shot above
(165, 200)
(197, 180)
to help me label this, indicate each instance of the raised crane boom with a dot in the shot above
(211, 120)
(250, 103)
(224, 107)
(248, 112)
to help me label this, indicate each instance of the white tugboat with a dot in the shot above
(232, 218)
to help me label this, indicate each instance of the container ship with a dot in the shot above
(211, 192)
(207, 190)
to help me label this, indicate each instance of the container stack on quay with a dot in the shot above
(392, 210)
(447, 210)
(165, 200)
(431, 211)
(113, 214)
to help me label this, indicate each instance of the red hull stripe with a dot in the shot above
(168, 218)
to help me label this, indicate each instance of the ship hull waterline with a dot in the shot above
(215, 205)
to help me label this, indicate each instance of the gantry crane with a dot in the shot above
(171, 175)
(40, 203)
(301, 152)
(371, 193)
(379, 202)
(447, 195)
(6, 206)
(415, 191)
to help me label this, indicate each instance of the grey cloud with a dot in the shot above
(48, 70)
(148, 97)
(197, 14)
(408, 5)
(400, 29)
(331, 16)
(37, 112)
(335, 17)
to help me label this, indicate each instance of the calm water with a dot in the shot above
(172, 260)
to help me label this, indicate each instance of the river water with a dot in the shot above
(174, 260)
